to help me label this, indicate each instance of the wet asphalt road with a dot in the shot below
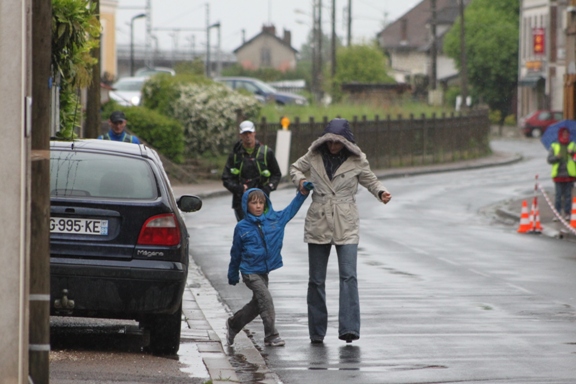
(448, 293)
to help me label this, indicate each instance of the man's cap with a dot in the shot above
(247, 126)
(117, 116)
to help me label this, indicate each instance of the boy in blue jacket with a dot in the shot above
(255, 253)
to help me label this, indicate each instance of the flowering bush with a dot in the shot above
(209, 114)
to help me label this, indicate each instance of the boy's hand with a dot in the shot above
(233, 280)
(306, 187)
(303, 189)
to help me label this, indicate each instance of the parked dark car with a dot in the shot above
(118, 241)
(534, 124)
(263, 91)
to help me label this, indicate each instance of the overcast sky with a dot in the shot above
(249, 15)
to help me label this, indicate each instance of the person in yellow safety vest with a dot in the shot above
(561, 156)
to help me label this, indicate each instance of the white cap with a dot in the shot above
(247, 126)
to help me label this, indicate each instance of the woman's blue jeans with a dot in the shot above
(349, 312)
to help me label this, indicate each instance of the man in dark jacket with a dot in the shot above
(250, 165)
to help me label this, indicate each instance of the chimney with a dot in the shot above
(271, 29)
(287, 37)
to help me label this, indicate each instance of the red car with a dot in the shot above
(536, 122)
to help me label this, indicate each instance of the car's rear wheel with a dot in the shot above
(536, 132)
(164, 333)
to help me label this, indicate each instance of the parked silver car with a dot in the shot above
(127, 91)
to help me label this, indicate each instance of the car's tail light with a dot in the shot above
(160, 230)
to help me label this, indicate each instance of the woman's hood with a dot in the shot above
(319, 142)
(337, 130)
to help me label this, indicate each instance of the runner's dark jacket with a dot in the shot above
(250, 174)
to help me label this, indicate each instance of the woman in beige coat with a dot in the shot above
(335, 165)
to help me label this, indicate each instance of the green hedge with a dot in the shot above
(164, 134)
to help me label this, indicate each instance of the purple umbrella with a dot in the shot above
(550, 135)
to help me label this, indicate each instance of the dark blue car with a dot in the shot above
(264, 92)
(118, 241)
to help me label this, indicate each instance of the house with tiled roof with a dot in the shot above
(266, 50)
(408, 40)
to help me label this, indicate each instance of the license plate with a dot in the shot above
(78, 226)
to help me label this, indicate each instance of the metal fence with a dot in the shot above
(398, 142)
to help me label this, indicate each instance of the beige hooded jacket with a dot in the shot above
(333, 216)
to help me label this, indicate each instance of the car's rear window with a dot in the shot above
(82, 174)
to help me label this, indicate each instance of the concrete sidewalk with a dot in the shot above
(206, 315)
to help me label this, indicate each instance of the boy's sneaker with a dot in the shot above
(230, 334)
(275, 342)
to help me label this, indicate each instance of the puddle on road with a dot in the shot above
(246, 372)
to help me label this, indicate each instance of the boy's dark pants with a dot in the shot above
(261, 304)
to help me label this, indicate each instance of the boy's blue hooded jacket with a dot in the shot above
(258, 239)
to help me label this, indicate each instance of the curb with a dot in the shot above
(204, 310)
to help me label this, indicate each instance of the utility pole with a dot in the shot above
(433, 51)
(208, 71)
(333, 50)
(463, 64)
(39, 324)
(149, 62)
(93, 121)
(349, 22)
(320, 38)
(132, 41)
(219, 53)
(314, 50)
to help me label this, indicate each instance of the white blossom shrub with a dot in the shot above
(209, 114)
(208, 111)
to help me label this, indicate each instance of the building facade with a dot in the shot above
(266, 50)
(408, 40)
(108, 62)
(542, 55)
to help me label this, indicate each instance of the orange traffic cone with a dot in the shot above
(535, 218)
(573, 214)
(525, 224)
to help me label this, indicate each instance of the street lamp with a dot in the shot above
(132, 41)
(215, 25)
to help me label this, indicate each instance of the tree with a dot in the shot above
(362, 64)
(491, 50)
(75, 32)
